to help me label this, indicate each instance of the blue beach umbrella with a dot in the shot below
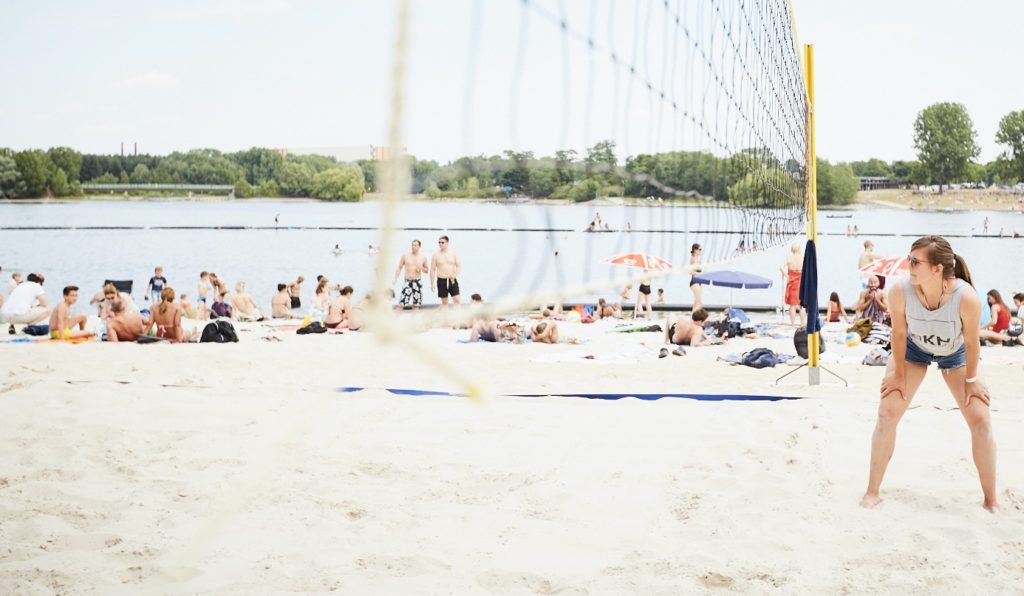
(732, 279)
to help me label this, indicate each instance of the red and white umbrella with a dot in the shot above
(639, 260)
(888, 266)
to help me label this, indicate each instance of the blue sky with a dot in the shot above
(230, 74)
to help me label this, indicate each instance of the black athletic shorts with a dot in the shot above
(447, 287)
(645, 289)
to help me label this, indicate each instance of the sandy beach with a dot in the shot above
(242, 469)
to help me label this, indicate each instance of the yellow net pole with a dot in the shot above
(812, 200)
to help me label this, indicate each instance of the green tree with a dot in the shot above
(244, 190)
(105, 178)
(919, 174)
(901, 171)
(432, 190)
(11, 184)
(344, 183)
(873, 167)
(543, 181)
(260, 165)
(35, 167)
(588, 189)
(369, 168)
(68, 160)
(59, 183)
(141, 174)
(601, 162)
(945, 140)
(295, 179)
(1011, 134)
(843, 184)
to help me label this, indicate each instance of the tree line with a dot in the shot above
(61, 171)
(754, 177)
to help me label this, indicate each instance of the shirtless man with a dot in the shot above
(245, 307)
(868, 256)
(294, 289)
(792, 271)
(205, 290)
(687, 332)
(872, 304)
(124, 326)
(281, 304)
(415, 265)
(444, 272)
(62, 321)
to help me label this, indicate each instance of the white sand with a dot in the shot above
(239, 469)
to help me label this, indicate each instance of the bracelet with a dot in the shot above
(970, 379)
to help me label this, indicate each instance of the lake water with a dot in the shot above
(496, 262)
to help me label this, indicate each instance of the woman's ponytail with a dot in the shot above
(960, 269)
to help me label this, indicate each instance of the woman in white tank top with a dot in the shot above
(936, 316)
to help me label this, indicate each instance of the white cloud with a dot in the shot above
(148, 80)
(227, 8)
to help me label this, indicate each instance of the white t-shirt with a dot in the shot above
(22, 298)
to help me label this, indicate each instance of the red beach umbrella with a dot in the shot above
(639, 260)
(889, 266)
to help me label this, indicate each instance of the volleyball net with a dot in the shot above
(655, 125)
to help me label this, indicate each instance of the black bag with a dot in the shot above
(219, 332)
(1016, 327)
(314, 327)
(800, 342)
(37, 330)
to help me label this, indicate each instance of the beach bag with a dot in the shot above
(800, 342)
(861, 327)
(1016, 327)
(37, 330)
(221, 309)
(219, 332)
(314, 327)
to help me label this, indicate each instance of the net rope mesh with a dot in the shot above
(696, 109)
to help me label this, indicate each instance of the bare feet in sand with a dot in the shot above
(869, 501)
(991, 506)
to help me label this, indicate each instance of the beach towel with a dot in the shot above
(809, 287)
(880, 334)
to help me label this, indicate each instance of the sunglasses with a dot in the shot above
(914, 261)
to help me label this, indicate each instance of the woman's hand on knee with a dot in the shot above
(976, 390)
(894, 382)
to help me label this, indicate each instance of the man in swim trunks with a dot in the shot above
(444, 272)
(415, 265)
(62, 321)
(294, 289)
(687, 332)
(792, 271)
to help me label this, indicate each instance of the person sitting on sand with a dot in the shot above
(245, 306)
(1018, 302)
(167, 319)
(687, 332)
(281, 304)
(111, 295)
(872, 303)
(124, 325)
(604, 310)
(339, 310)
(358, 317)
(836, 310)
(26, 304)
(62, 322)
(995, 330)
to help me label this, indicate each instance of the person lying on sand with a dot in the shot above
(545, 332)
(124, 325)
(687, 332)
(497, 331)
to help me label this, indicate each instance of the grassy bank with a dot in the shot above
(957, 200)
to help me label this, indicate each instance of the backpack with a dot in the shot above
(800, 342)
(219, 332)
(221, 309)
(314, 327)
